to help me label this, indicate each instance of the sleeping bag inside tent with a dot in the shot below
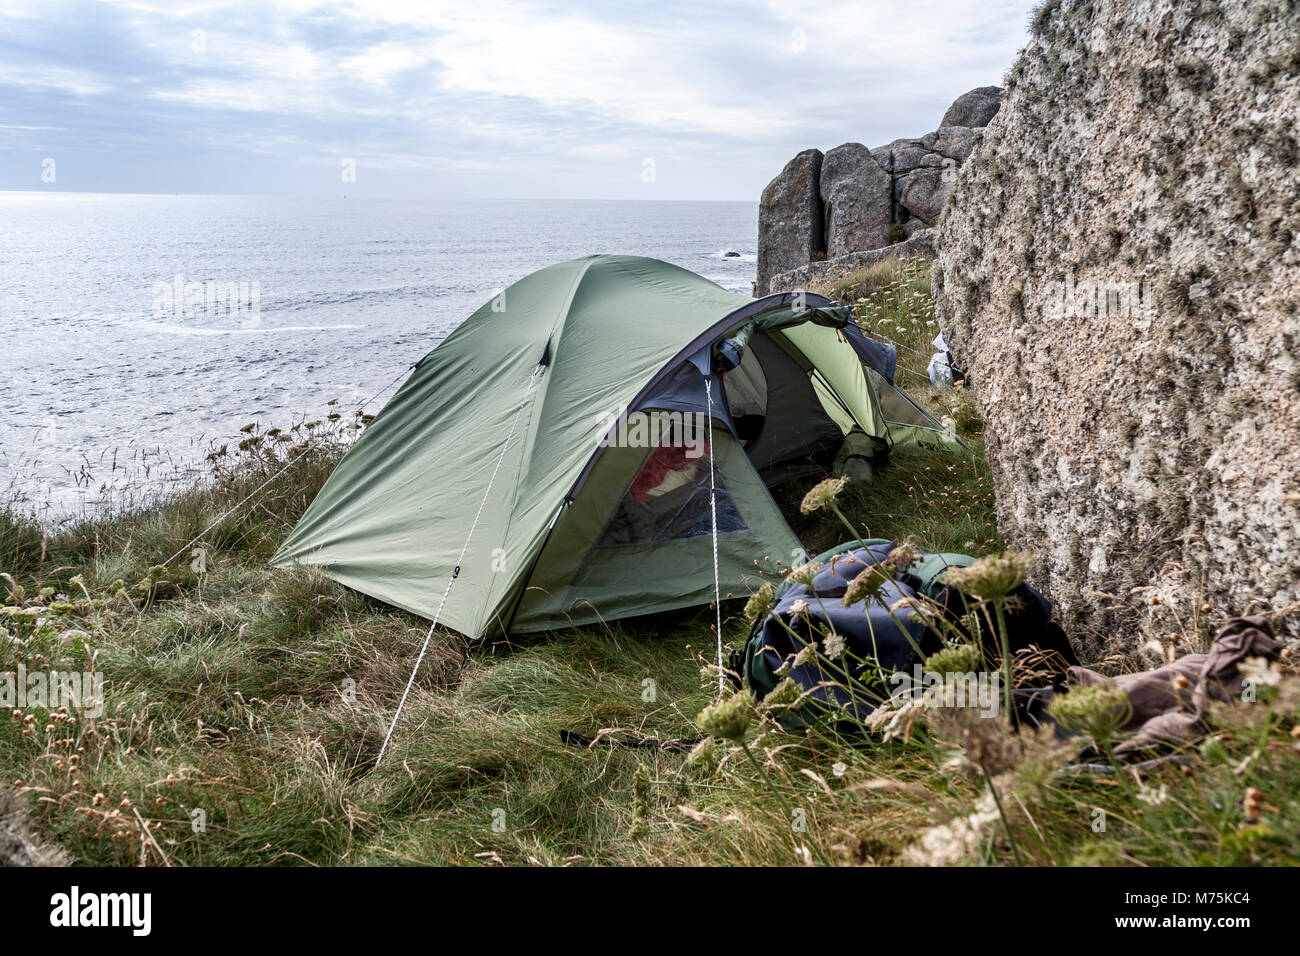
(591, 426)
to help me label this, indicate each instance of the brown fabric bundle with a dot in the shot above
(1168, 710)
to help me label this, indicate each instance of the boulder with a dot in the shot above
(1119, 272)
(955, 142)
(885, 157)
(910, 154)
(857, 200)
(925, 190)
(975, 108)
(913, 227)
(790, 228)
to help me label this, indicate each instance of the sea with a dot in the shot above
(140, 330)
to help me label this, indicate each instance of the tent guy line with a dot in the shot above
(252, 494)
(455, 573)
(713, 509)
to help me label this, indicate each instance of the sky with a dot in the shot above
(475, 99)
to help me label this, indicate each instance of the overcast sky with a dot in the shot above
(485, 98)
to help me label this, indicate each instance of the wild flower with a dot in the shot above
(985, 749)
(798, 608)
(640, 802)
(867, 584)
(22, 615)
(957, 841)
(783, 696)
(963, 659)
(833, 646)
(923, 611)
(1261, 672)
(992, 577)
(1213, 751)
(728, 719)
(1153, 796)
(1099, 712)
(704, 756)
(838, 769)
(902, 557)
(805, 573)
(893, 719)
(760, 602)
(822, 495)
(1253, 802)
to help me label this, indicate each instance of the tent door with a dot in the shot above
(638, 538)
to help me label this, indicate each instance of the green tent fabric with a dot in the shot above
(574, 528)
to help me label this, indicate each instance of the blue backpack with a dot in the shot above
(880, 636)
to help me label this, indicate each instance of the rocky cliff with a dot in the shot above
(1119, 271)
(20, 844)
(852, 199)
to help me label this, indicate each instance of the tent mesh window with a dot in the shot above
(669, 499)
(897, 407)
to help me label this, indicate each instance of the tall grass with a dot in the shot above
(246, 706)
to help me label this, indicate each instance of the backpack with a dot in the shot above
(884, 636)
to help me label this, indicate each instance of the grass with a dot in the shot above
(246, 706)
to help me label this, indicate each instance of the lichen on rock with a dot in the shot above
(1119, 274)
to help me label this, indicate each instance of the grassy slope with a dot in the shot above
(261, 697)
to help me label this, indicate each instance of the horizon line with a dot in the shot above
(386, 198)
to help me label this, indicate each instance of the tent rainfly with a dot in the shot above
(577, 407)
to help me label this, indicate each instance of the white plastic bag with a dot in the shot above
(940, 368)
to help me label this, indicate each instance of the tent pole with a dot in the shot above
(528, 576)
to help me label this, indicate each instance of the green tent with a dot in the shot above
(566, 454)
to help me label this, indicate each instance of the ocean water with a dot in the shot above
(107, 370)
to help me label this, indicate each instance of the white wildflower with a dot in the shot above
(1261, 672)
(1153, 796)
(894, 718)
(957, 841)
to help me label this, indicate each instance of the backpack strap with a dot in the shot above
(930, 568)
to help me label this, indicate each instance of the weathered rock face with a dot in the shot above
(975, 109)
(1119, 272)
(790, 228)
(869, 197)
(20, 844)
(817, 273)
(857, 200)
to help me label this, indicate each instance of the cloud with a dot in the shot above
(473, 97)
